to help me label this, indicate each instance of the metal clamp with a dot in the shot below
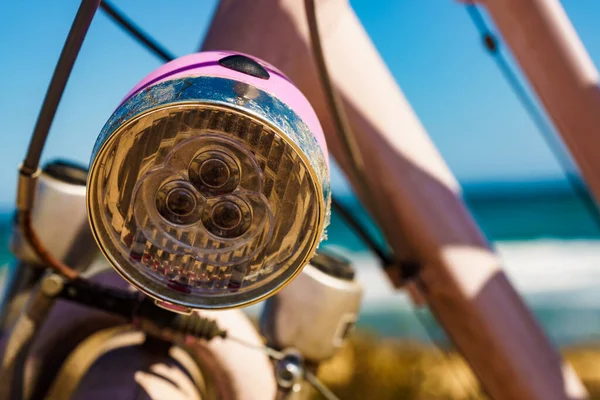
(289, 374)
(26, 187)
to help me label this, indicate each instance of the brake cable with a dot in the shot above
(29, 170)
(554, 144)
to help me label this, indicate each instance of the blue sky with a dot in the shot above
(431, 47)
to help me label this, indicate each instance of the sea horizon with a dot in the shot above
(548, 243)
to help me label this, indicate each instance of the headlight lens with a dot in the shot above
(204, 196)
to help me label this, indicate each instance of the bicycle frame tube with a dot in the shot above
(461, 278)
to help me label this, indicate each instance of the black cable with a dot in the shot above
(344, 131)
(361, 232)
(145, 40)
(333, 100)
(69, 53)
(575, 182)
(432, 332)
(135, 31)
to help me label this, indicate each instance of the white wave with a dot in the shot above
(547, 272)
(552, 265)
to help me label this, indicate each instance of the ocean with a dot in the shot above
(549, 244)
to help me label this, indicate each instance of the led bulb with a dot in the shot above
(209, 185)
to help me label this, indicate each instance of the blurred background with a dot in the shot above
(511, 180)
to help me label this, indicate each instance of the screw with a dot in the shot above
(289, 371)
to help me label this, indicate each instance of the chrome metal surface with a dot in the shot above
(213, 90)
(289, 374)
(26, 187)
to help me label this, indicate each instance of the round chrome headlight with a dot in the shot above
(209, 185)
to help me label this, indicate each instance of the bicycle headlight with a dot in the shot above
(209, 185)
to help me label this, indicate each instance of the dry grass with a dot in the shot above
(374, 369)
